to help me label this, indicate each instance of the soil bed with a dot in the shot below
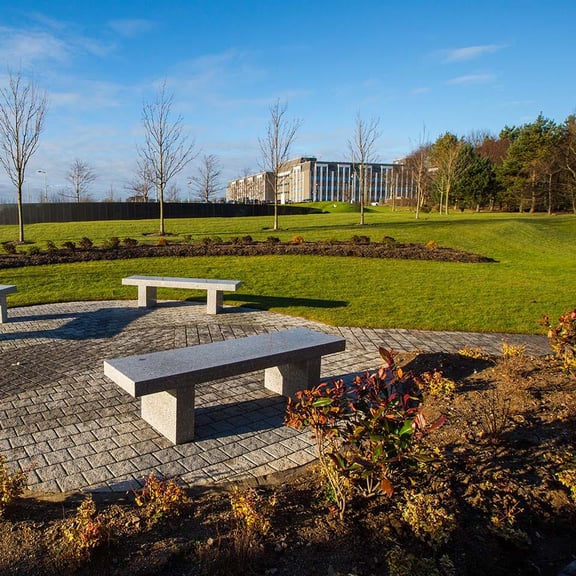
(368, 250)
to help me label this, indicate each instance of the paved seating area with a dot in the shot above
(71, 428)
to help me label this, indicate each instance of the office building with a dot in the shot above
(310, 180)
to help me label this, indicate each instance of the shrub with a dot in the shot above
(360, 239)
(437, 385)
(272, 240)
(128, 242)
(513, 351)
(51, 246)
(364, 431)
(85, 532)
(562, 338)
(112, 243)
(568, 479)
(69, 245)
(247, 239)
(474, 352)
(9, 247)
(389, 240)
(161, 499)
(206, 241)
(432, 245)
(162, 241)
(12, 485)
(85, 243)
(187, 238)
(495, 414)
(427, 518)
(297, 239)
(216, 240)
(34, 250)
(251, 510)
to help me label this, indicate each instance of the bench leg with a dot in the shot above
(146, 296)
(289, 378)
(214, 301)
(171, 413)
(3, 309)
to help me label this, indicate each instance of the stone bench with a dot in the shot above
(148, 285)
(165, 381)
(4, 290)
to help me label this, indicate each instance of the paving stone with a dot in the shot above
(70, 428)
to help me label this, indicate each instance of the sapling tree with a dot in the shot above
(22, 112)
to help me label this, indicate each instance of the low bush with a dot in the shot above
(83, 534)
(161, 499)
(562, 338)
(85, 243)
(9, 247)
(128, 242)
(12, 485)
(111, 244)
(360, 239)
(364, 431)
(68, 245)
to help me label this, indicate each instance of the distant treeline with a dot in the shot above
(89, 211)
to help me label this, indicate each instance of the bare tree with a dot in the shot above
(275, 147)
(418, 165)
(166, 150)
(142, 183)
(80, 177)
(206, 183)
(22, 111)
(172, 193)
(362, 150)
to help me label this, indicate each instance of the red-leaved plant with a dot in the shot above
(366, 431)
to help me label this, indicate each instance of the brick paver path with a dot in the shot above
(70, 428)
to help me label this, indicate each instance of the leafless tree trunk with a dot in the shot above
(80, 177)
(166, 150)
(418, 164)
(275, 146)
(142, 184)
(362, 149)
(206, 183)
(22, 111)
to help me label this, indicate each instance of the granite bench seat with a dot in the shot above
(148, 285)
(4, 290)
(165, 381)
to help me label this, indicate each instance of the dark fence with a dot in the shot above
(88, 211)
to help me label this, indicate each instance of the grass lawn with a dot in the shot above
(535, 272)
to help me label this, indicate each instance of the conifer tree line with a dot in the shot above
(527, 168)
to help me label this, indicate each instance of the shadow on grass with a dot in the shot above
(260, 302)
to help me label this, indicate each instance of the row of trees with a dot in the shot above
(530, 167)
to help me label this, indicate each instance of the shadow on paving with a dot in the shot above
(99, 324)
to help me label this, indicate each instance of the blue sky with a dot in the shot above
(422, 67)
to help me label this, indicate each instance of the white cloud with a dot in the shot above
(473, 79)
(470, 52)
(26, 49)
(131, 28)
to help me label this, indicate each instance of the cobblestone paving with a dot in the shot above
(71, 428)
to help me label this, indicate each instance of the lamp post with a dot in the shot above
(45, 185)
